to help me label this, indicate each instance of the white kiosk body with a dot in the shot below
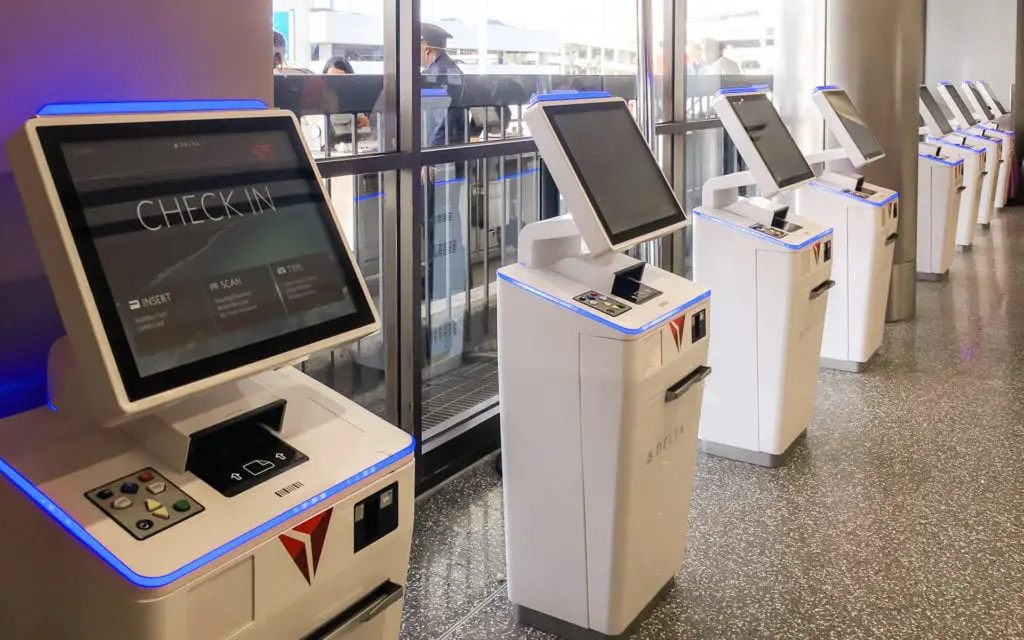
(988, 122)
(994, 187)
(864, 218)
(771, 271)
(976, 157)
(186, 482)
(602, 360)
(940, 185)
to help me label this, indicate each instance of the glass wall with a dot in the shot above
(433, 173)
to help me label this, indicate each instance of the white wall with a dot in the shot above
(89, 50)
(975, 40)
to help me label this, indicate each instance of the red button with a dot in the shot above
(145, 476)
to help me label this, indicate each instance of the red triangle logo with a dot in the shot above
(316, 530)
(676, 327)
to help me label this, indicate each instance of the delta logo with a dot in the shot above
(817, 252)
(676, 327)
(305, 543)
(261, 151)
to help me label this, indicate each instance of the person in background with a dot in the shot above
(280, 50)
(694, 54)
(714, 61)
(444, 184)
(340, 66)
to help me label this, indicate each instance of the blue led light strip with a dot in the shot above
(839, 192)
(975, 150)
(147, 106)
(806, 243)
(825, 87)
(569, 94)
(587, 313)
(78, 531)
(755, 88)
(948, 163)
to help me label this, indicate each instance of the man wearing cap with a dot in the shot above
(444, 183)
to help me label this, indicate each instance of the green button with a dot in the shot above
(182, 506)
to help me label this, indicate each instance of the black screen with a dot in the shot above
(932, 105)
(985, 110)
(616, 168)
(961, 106)
(772, 140)
(992, 95)
(854, 124)
(208, 244)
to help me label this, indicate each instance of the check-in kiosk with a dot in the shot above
(771, 273)
(940, 185)
(864, 218)
(601, 359)
(978, 183)
(186, 481)
(997, 143)
(990, 121)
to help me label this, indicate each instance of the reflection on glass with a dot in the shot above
(475, 211)
(357, 370)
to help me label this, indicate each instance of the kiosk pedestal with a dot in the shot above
(602, 360)
(771, 271)
(940, 184)
(864, 218)
(186, 481)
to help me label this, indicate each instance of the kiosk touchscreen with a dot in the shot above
(771, 271)
(601, 359)
(975, 157)
(990, 97)
(864, 218)
(998, 143)
(198, 485)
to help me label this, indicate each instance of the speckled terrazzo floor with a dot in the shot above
(901, 517)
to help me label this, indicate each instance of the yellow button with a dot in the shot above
(162, 513)
(152, 505)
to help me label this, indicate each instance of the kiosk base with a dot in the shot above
(849, 366)
(569, 631)
(933, 277)
(760, 458)
(963, 248)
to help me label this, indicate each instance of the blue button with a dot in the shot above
(129, 487)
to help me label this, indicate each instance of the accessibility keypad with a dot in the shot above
(605, 304)
(144, 512)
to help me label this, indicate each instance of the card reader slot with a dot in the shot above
(817, 291)
(961, 189)
(375, 603)
(891, 239)
(680, 388)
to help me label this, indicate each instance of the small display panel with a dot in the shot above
(992, 95)
(208, 244)
(936, 112)
(616, 168)
(961, 106)
(771, 139)
(854, 124)
(982, 104)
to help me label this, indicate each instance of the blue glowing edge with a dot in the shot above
(944, 83)
(975, 150)
(830, 189)
(434, 93)
(826, 87)
(71, 525)
(755, 88)
(948, 163)
(789, 245)
(569, 94)
(147, 106)
(587, 313)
